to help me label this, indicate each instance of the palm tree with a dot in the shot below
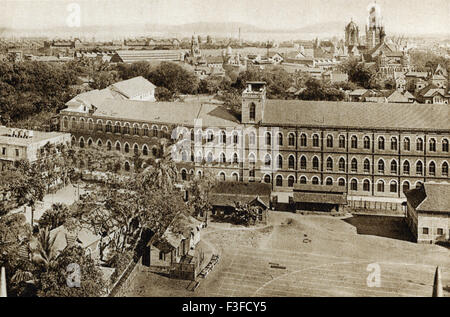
(44, 250)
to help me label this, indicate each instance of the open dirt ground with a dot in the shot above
(297, 255)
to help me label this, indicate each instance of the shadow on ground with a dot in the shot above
(381, 226)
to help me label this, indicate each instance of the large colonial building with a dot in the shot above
(371, 149)
(20, 144)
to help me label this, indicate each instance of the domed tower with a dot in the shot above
(351, 34)
(375, 27)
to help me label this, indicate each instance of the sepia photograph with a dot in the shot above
(224, 153)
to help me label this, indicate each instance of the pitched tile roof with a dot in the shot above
(166, 112)
(431, 197)
(133, 87)
(356, 115)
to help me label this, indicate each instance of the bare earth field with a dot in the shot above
(316, 256)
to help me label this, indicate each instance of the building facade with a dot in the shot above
(20, 144)
(373, 149)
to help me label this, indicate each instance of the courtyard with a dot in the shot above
(309, 255)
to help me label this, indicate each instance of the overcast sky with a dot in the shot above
(408, 16)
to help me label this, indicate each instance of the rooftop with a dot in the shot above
(133, 87)
(357, 115)
(36, 137)
(431, 197)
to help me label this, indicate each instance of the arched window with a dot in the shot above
(117, 127)
(291, 139)
(303, 140)
(136, 149)
(65, 123)
(183, 174)
(209, 158)
(303, 163)
(341, 182)
(222, 176)
(445, 169)
(155, 131)
(329, 164)
(354, 165)
(315, 180)
(223, 137)
(444, 145)
(354, 184)
(145, 150)
(366, 166)
(223, 158)
(90, 142)
(419, 144)
(108, 127)
(280, 139)
(419, 168)
(432, 168)
(406, 167)
(184, 156)
(366, 185)
(354, 142)
(126, 128)
(81, 142)
(393, 167)
(235, 138)
(267, 179)
(145, 130)
(291, 181)
(267, 160)
(394, 144)
(99, 143)
(118, 146)
(209, 136)
(127, 166)
(432, 145)
(303, 180)
(341, 164)
(90, 124)
(127, 148)
(380, 186)
(74, 123)
(406, 144)
(366, 143)
(315, 163)
(329, 181)
(99, 125)
(393, 187)
(136, 129)
(279, 181)
(252, 111)
(268, 138)
(315, 140)
(381, 166)
(381, 143)
(252, 138)
(406, 186)
(280, 161)
(291, 162)
(235, 158)
(342, 142)
(329, 141)
(108, 146)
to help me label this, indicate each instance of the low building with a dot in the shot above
(319, 197)
(20, 144)
(227, 195)
(175, 250)
(133, 56)
(428, 212)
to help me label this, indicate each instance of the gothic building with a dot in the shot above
(374, 29)
(372, 150)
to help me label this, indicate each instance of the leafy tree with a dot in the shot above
(55, 216)
(53, 282)
(44, 253)
(174, 77)
(163, 94)
(244, 214)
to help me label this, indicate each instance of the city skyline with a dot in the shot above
(408, 17)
